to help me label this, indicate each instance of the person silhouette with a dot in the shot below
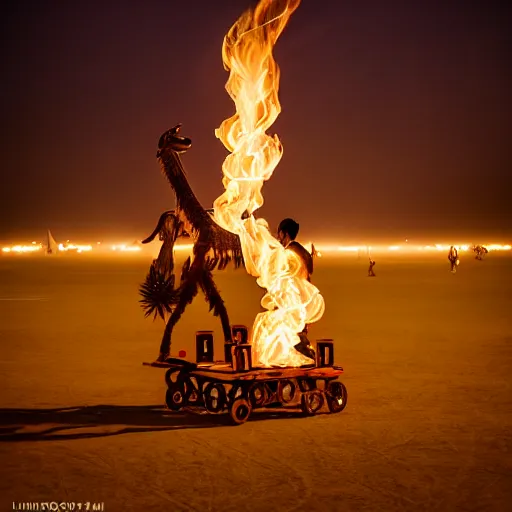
(287, 232)
(453, 258)
(371, 273)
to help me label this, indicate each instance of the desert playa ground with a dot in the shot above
(428, 364)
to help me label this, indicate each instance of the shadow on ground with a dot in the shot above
(109, 420)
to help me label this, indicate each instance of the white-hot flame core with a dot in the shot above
(291, 301)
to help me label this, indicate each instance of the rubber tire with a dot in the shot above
(258, 402)
(240, 410)
(336, 390)
(281, 385)
(175, 397)
(306, 402)
(221, 400)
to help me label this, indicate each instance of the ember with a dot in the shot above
(291, 301)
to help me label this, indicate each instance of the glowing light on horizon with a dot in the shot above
(34, 247)
(72, 247)
(22, 248)
(126, 248)
(497, 247)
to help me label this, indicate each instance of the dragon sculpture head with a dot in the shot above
(171, 140)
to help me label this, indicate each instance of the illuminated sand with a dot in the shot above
(428, 426)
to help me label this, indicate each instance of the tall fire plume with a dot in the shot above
(290, 300)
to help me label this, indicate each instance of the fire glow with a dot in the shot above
(290, 300)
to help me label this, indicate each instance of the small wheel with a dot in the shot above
(240, 411)
(214, 396)
(175, 397)
(258, 395)
(311, 402)
(336, 394)
(285, 391)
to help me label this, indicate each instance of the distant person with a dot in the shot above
(453, 258)
(480, 251)
(287, 232)
(371, 273)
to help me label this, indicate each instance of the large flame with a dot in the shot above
(291, 301)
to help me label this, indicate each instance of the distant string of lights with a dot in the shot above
(35, 247)
(410, 248)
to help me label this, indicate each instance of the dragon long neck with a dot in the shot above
(186, 200)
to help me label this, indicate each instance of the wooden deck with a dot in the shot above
(224, 372)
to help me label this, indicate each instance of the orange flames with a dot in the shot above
(253, 84)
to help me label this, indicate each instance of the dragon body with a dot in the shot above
(213, 248)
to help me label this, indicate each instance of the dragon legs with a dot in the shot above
(197, 275)
(216, 303)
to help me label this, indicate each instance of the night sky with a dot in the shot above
(396, 116)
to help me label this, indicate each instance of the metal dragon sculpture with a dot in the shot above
(213, 248)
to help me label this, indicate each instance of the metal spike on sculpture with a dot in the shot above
(263, 369)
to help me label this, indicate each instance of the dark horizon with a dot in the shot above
(395, 118)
